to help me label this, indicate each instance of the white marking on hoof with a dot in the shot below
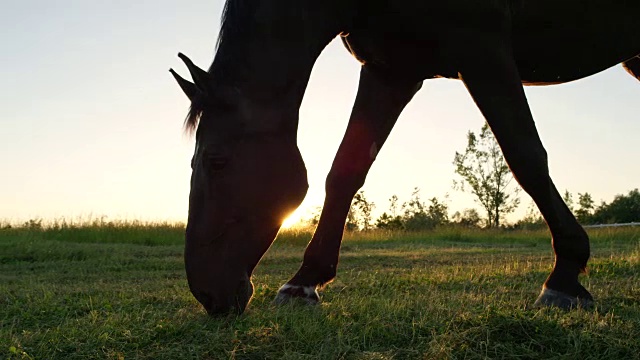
(311, 291)
(286, 287)
(550, 297)
(289, 292)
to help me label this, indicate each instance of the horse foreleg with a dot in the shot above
(633, 66)
(492, 78)
(378, 104)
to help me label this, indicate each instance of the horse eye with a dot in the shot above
(216, 163)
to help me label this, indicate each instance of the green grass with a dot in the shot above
(118, 290)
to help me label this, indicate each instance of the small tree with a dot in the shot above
(352, 219)
(393, 205)
(438, 212)
(388, 222)
(420, 216)
(568, 199)
(314, 216)
(391, 220)
(585, 211)
(414, 216)
(359, 216)
(484, 170)
(468, 218)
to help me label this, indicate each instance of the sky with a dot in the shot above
(91, 119)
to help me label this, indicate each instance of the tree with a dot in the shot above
(568, 199)
(420, 216)
(393, 205)
(438, 212)
(314, 216)
(585, 211)
(359, 216)
(351, 223)
(391, 220)
(468, 218)
(388, 222)
(623, 209)
(484, 170)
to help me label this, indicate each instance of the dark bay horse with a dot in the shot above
(247, 170)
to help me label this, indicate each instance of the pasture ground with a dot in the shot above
(118, 291)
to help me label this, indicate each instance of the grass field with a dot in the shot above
(118, 291)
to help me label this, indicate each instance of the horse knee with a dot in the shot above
(530, 167)
(347, 183)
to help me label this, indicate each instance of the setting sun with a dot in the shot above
(295, 218)
(290, 221)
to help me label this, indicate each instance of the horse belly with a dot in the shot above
(416, 58)
(560, 41)
(419, 44)
(553, 41)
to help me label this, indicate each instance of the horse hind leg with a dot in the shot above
(633, 66)
(493, 80)
(380, 100)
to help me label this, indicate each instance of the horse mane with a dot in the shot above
(234, 23)
(193, 116)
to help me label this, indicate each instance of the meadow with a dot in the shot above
(119, 291)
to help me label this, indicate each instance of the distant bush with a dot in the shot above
(416, 214)
(623, 209)
(469, 218)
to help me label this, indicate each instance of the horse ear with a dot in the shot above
(201, 78)
(187, 86)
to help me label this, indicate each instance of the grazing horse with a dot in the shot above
(248, 173)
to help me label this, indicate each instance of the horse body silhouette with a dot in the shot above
(247, 170)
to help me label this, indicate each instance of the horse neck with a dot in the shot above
(268, 55)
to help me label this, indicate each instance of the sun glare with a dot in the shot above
(294, 219)
(291, 221)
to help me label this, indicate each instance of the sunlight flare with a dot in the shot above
(291, 220)
(296, 218)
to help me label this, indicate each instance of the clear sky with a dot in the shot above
(91, 120)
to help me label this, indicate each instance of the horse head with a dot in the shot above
(247, 176)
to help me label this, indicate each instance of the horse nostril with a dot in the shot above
(204, 299)
(233, 303)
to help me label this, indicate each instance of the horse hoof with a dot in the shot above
(563, 301)
(288, 293)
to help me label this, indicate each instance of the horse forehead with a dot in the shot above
(216, 137)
